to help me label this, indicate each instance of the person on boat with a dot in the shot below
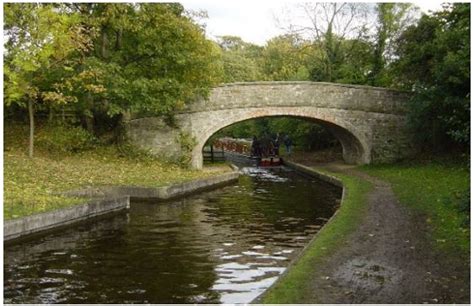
(288, 144)
(267, 145)
(256, 147)
(276, 145)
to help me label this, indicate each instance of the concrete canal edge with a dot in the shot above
(18, 228)
(326, 178)
(108, 199)
(158, 193)
(314, 173)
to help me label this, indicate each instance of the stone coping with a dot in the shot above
(108, 199)
(356, 86)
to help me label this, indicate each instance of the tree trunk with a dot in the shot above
(32, 127)
(119, 131)
(435, 135)
(118, 42)
(103, 42)
(89, 124)
(51, 115)
(89, 114)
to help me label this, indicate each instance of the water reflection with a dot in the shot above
(225, 246)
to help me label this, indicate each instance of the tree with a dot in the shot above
(240, 60)
(40, 39)
(150, 58)
(392, 20)
(434, 62)
(328, 25)
(109, 59)
(285, 58)
(355, 66)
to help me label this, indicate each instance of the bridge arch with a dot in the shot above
(370, 122)
(355, 144)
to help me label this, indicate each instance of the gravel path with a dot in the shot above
(388, 259)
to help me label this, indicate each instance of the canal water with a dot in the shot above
(223, 246)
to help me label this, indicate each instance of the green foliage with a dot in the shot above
(106, 58)
(243, 129)
(238, 68)
(149, 58)
(434, 61)
(187, 143)
(355, 66)
(306, 135)
(240, 60)
(392, 20)
(285, 58)
(41, 39)
(65, 139)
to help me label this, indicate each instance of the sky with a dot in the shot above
(254, 21)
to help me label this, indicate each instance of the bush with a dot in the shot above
(64, 138)
(187, 143)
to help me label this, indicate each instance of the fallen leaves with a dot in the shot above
(32, 185)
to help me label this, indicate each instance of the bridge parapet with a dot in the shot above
(312, 94)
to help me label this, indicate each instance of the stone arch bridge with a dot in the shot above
(369, 122)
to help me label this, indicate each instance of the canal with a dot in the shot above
(223, 246)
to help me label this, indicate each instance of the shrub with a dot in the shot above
(64, 138)
(187, 143)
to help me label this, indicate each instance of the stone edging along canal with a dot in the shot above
(108, 199)
(321, 176)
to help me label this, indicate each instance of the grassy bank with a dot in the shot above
(31, 185)
(439, 191)
(294, 286)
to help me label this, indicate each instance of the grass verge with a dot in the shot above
(293, 286)
(32, 185)
(439, 191)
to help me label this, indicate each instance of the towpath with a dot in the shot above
(388, 259)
